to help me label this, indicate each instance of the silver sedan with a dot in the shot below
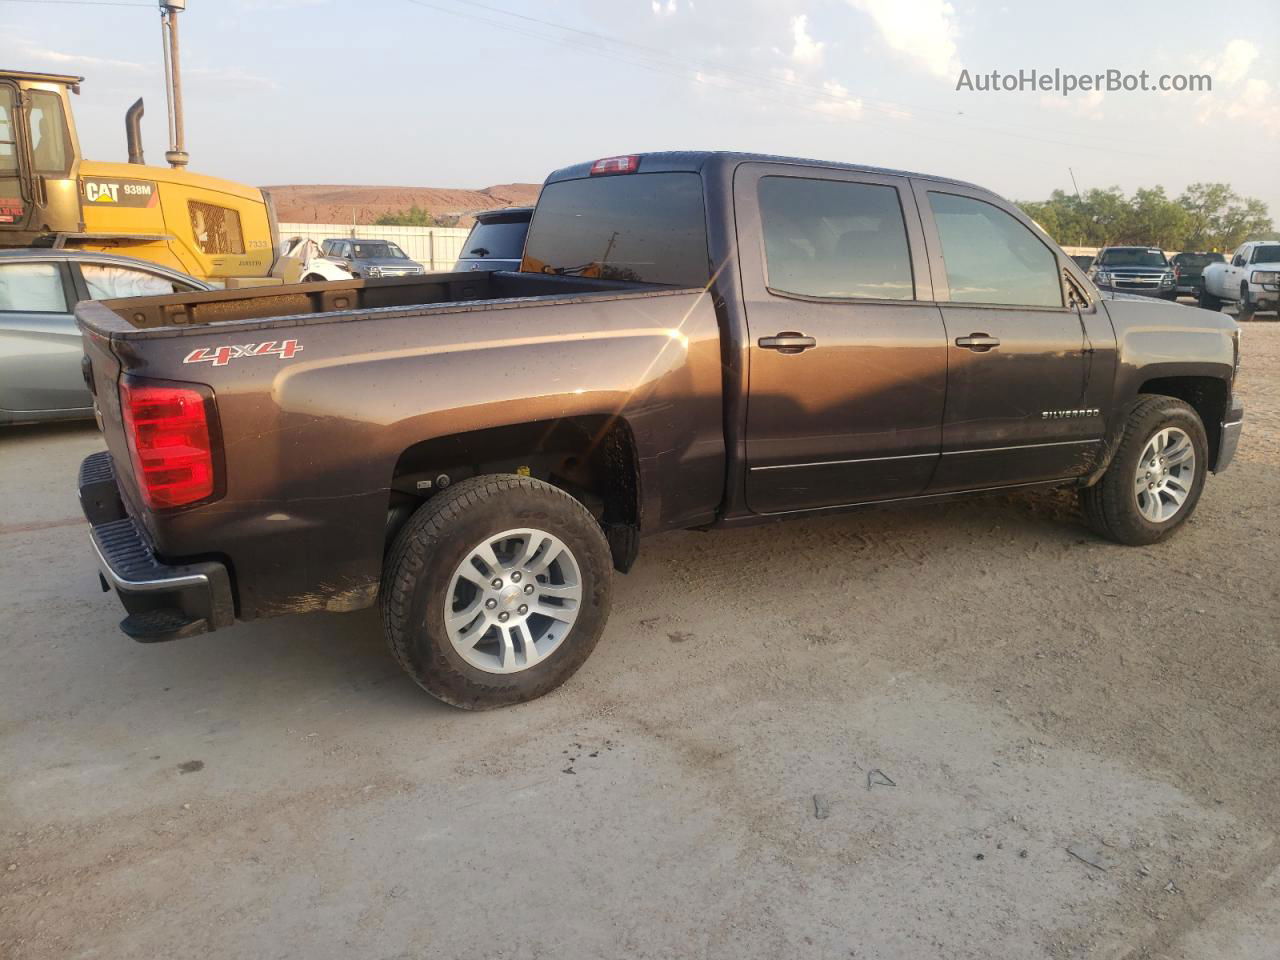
(40, 347)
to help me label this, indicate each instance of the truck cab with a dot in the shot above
(39, 158)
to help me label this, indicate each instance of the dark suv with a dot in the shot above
(496, 242)
(1143, 270)
(1187, 268)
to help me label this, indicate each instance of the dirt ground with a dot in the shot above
(1026, 743)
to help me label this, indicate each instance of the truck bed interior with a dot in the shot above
(258, 303)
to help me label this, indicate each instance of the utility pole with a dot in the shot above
(169, 10)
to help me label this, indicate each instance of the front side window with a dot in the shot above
(216, 229)
(32, 288)
(8, 132)
(109, 283)
(831, 238)
(991, 257)
(50, 150)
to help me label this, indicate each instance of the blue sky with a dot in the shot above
(468, 93)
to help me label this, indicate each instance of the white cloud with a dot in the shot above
(923, 31)
(1236, 95)
(1089, 105)
(30, 51)
(804, 49)
(1233, 64)
(838, 103)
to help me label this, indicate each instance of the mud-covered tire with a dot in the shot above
(419, 570)
(1110, 506)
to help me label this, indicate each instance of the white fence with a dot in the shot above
(436, 248)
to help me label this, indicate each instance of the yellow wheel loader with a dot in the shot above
(216, 230)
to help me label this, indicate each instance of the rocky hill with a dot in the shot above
(321, 203)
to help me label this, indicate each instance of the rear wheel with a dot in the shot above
(1155, 478)
(313, 278)
(496, 591)
(1208, 301)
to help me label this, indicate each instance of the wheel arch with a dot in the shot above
(1208, 396)
(593, 457)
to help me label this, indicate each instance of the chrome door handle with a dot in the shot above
(978, 342)
(788, 342)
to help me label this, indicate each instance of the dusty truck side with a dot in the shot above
(694, 340)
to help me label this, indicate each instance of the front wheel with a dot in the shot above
(1154, 480)
(1247, 306)
(496, 591)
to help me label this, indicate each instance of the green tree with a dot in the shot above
(1221, 219)
(415, 216)
(1207, 216)
(1157, 220)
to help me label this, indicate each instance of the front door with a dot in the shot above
(1024, 398)
(847, 352)
(15, 187)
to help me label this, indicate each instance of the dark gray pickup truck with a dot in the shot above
(694, 340)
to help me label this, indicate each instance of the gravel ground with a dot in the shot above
(1025, 743)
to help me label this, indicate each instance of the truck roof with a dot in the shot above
(698, 161)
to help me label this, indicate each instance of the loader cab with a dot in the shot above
(39, 158)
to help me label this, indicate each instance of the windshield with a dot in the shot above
(647, 227)
(378, 250)
(1132, 257)
(495, 241)
(1199, 260)
(1270, 253)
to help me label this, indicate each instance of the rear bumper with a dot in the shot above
(164, 601)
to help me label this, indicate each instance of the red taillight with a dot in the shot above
(170, 441)
(611, 165)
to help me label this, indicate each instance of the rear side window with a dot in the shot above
(647, 227)
(991, 257)
(108, 282)
(32, 288)
(217, 229)
(496, 241)
(830, 238)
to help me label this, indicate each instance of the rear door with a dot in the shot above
(847, 348)
(1023, 403)
(40, 346)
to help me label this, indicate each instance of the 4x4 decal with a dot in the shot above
(221, 356)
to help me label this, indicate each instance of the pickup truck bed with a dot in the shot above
(312, 443)
(694, 340)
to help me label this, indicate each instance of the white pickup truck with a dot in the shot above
(1251, 279)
